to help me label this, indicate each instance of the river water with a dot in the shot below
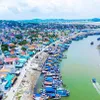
(82, 64)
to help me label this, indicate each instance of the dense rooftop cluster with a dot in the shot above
(19, 41)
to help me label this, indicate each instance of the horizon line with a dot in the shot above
(49, 19)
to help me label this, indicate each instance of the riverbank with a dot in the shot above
(25, 90)
(18, 94)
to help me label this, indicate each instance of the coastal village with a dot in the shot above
(29, 50)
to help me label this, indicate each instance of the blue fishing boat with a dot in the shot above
(69, 42)
(97, 34)
(85, 36)
(92, 43)
(63, 92)
(53, 82)
(51, 92)
(75, 39)
(98, 39)
(49, 89)
(54, 77)
(49, 79)
(94, 80)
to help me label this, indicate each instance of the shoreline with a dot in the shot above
(30, 73)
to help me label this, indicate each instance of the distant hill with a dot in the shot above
(54, 20)
(96, 19)
(59, 20)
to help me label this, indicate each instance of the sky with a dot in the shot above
(49, 9)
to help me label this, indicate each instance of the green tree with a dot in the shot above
(23, 48)
(23, 42)
(18, 36)
(4, 47)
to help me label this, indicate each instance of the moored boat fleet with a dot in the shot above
(52, 85)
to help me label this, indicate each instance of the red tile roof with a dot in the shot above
(10, 59)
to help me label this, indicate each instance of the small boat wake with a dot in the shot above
(96, 86)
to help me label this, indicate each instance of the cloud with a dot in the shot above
(35, 9)
(16, 9)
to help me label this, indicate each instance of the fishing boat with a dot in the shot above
(63, 92)
(97, 33)
(98, 39)
(54, 96)
(69, 42)
(47, 83)
(94, 80)
(54, 77)
(92, 43)
(75, 39)
(48, 64)
(55, 71)
(85, 36)
(46, 78)
(57, 82)
(51, 92)
(43, 72)
(53, 83)
(65, 57)
(52, 74)
(50, 79)
(38, 96)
